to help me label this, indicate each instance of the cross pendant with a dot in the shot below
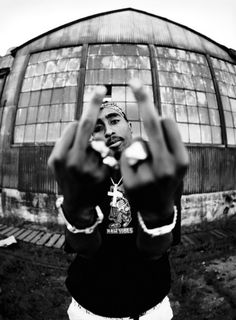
(115, 194)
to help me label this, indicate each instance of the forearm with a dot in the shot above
(82, 233)
(154, 236)
(84, 244)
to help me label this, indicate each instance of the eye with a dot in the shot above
(114, 121)
(98, 128)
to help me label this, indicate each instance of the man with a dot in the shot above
(119, 207)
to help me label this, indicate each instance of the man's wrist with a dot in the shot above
(158, 230)
(159, 218)
(81, 217)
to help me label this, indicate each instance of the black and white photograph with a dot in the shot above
(118, 160)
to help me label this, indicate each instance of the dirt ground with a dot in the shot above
(32, 283)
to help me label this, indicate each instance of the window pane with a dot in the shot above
(194, 133)
(34, 98)
(55, 113)
(211, 100)
(184, 131)
(53, 132)
(60, 79)
(191, 98)
(21, 116)
(43, 113)
(136, 129)
(225, 102)
(179, 96)
(230, 136)
(29, 133)
(214, 117)
(70, 95)
(132, 111)
(233, 104)
(68, 112)
(41, 132)
(193, 116)
(216, 135)
(48, 81)
(166, 95)
(118, 76)
(71, 78)
(105, 76)
(19, 134)
(201, 99)
(131, 74)
(181, 113)
(45, 97)
(168, 110)
(118, 93)
(32, 114)
(57, 96)
(24, 99)
(228, 119)
(206, 134)
(203, 115)
(129, 95)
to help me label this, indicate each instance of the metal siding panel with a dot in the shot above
(10, 168)
(34, 174)
(211, 169)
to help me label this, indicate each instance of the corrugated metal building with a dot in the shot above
(45, 83)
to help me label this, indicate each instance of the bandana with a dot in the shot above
(115, 107)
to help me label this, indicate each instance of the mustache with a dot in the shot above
(113, 139)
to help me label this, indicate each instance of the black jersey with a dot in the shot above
(118, 281)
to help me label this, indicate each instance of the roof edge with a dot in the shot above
(14, 51)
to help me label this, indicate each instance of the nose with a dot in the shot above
(108, 131)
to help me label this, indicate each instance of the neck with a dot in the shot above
(116, 175)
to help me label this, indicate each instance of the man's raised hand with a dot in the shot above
(151, 183)
(79, 170)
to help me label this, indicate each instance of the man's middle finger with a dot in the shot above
(88, 120)
(150, 116)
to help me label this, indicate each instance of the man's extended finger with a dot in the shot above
(89, 118)
(149, 114)
(174, 142)
(63, 144)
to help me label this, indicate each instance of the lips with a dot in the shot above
(114, 142)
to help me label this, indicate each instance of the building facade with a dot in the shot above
(46, 82)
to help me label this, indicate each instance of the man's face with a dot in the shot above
(113, 129)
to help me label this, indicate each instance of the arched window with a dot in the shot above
(188, 95)
(48, 95)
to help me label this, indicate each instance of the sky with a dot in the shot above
(22, 20)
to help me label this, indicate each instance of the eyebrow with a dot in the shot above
(109, 116)
(112, 115)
